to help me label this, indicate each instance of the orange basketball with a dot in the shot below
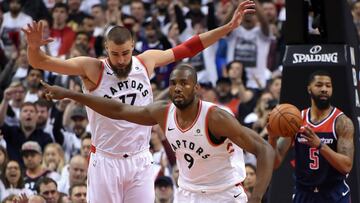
(284, 120)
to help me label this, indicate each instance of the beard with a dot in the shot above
(321, 103)
(182, 104)
(123, 72)
(79, 130)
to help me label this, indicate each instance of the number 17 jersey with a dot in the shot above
(204, 163)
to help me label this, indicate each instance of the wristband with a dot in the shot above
(188, 49)
(320, 145)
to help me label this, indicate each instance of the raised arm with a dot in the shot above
(81, 66)
(281, 146)
(222, 123)
(191, 47)
(143, 115)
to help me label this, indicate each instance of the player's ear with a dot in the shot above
(309, 91)
(197, 87)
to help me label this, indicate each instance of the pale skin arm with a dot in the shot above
(342, 159)
(83, 66)
(157, 58)
(224, 124)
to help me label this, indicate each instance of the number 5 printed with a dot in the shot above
(314, 157)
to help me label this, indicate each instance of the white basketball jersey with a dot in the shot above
(203, 165)
(119, 136)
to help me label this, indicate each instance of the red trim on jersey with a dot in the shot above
(207, 129)
(142, 62)
(327, 124)
(166, 117)
(193, 123)
(99, 79)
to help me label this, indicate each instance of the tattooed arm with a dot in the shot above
(342, 159)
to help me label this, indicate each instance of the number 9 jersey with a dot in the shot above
(205, 162)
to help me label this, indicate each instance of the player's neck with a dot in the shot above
(188, 115)
(320, 114)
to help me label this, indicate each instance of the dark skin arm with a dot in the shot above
(223, 124)
(144, 115)
(281, 146)
(342, 158)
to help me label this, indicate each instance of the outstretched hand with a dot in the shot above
(245, 7)
(54, 92)
(34, 35)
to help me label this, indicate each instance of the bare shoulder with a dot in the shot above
(344, 127)
(218, 115)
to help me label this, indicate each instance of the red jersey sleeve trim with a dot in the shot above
(142, 62)
(99, 79)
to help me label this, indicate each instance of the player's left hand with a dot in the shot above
(245, 7)
(311, 139)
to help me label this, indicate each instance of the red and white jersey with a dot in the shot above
(119, 136)
(204, 164)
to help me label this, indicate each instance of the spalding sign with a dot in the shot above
(314, 56)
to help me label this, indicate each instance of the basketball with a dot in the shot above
(284, 120)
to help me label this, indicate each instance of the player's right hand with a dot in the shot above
(34, 35)
(54, 92)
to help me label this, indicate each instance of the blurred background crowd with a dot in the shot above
(44, 145)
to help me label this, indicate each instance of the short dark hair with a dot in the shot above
(43, 103)
(251, 166)
(76, 185)
(188, 67)
(44, 180)
(27, 104)
(98, 5)
(60, 5)
(30, 68)
(119, 35)
(318, 73)
(223, 80)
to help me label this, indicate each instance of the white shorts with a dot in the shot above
(234, 194)
(120, 180)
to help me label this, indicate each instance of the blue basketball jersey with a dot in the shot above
(312, 169)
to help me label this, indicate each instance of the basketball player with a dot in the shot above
(120, 146)
(201, 135)
(323, 148)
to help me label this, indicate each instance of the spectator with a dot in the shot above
(274, 87)
(250, 44)
(53, 159)
(13, 95)
(3, 159)
(250, 179)
(71, 141)
(12, 181)
(77, 193)
(63, 35)
(76, 16)
(32, 156)
(224, 96)
(85, 146)
(15, 136)
(32, 84)
(235, 71)
(44, 122)
(98, 12)
(77, 173)
(13, 21)
(164, 192)
(47, 188)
